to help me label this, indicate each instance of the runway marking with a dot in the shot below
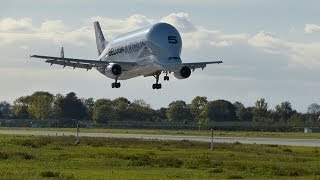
(244, 140)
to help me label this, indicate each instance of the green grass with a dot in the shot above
(36, 157)
(193, 133)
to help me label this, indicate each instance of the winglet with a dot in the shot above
(62, 52)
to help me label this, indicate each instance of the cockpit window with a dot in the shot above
(174, 58)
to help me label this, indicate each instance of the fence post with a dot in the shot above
(78, 140)
(211, 139)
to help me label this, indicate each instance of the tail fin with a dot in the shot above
(100, 41)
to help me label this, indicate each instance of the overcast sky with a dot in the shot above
(270, 49)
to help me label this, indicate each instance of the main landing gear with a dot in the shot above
(156, 85)
(116, 84)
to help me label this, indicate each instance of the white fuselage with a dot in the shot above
(155, 49)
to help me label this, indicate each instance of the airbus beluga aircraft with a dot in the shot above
(149, 51)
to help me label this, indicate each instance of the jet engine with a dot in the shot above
(113, 70)
(184, 73)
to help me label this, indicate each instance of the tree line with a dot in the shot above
(46, 106)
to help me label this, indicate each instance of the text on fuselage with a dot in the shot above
(128, 49)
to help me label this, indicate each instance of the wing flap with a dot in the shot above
(201, 65)
(71, 64)
(83, 63)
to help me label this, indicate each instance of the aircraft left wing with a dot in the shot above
(81, 63)
(202, 65)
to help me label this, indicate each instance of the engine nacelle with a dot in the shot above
(184, 73)
(113, 70)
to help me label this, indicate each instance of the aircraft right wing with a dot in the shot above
(202, 65)
(81, 63)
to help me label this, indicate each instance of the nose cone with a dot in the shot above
(165, 40)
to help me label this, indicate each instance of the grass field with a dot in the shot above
(36, 157)
(194, 133)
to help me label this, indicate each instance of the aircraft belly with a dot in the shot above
(137, 72)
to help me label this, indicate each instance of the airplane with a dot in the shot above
(148, 51)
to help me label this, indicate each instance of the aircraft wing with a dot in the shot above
(81, 63)
(202, 65)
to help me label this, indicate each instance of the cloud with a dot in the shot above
(52, 26)
(268, 42)
(114, 27)
(306, 54)
(194, 37)
(311, 28)
(223, 43)
(58, 33)
(16, 25)
(22, 30)
(181, 21)
(197, 36)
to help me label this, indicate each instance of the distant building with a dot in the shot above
(307, 130)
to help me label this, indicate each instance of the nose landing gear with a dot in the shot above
(166, 77)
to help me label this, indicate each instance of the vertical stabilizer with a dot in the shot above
(100, 41)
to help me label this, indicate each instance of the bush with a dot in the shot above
(235, 177)
(35, 143)
(206, 161)
(24, 155)
(141, 160)
(216, 170)
(50, 174)
(4, 155)
(287, 150)
(170, 162)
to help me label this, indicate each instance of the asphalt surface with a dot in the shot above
(244, 140)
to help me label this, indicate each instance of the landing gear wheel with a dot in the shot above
(115, 85)
(156, 86)
(166, 78)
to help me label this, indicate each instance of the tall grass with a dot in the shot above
(29, 157)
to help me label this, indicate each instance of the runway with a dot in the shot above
(244, 140)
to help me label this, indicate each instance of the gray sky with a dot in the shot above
(270, 49)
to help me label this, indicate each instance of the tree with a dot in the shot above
(197, 106)
(5, 109)
(139, 110)
(241, 111)
(295, 120)
(314, 112)
(121, 106)
(89, 103)
(260, 110)
(57, 111)
(103, 111)
(72, 107)
(220, 110)
(178, 111)
(20, 107)
(40, 105)
(160, 114)
(284, 111)
(314, 108)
